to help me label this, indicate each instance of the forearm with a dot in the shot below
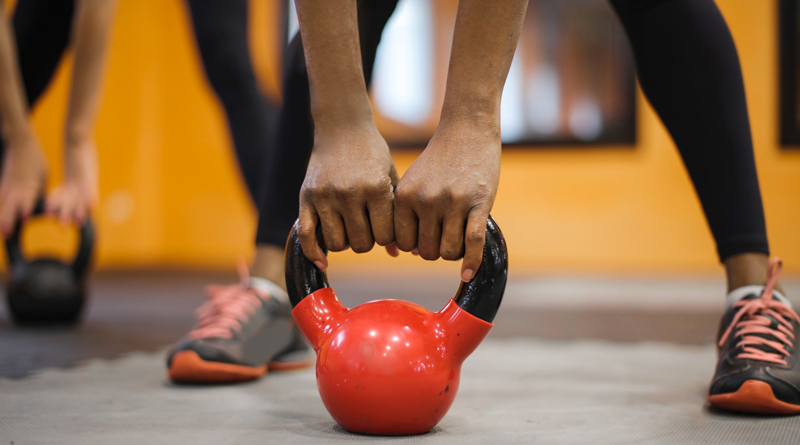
(14, 124)
(485, 37)
(333, 57)
(90, 38)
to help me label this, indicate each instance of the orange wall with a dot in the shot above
(170, 192)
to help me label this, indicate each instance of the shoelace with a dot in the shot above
(751, 320)
(228, 308)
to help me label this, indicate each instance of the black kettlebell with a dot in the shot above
(47, 290)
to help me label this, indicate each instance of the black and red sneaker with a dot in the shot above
(243, 331)
(758, 370)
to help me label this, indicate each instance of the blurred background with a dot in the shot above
(590, 182)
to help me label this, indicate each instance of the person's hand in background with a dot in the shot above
(76, 196)
(22, 180)
(23, 175)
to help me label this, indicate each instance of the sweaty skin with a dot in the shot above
(441, 205)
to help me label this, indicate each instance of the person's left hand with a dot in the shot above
(76, 196)
(443, 201)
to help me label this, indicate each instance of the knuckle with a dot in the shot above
(403, 195)
(426, 199)
(450, 253)
(429, 254)
(377, 187)
(384, 239)
(336, 245)
(405, 244)
(475, 236)
(303, 231)
(362, 246)
(344, 192)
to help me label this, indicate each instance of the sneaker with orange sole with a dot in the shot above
(243, 331)
(758, 371)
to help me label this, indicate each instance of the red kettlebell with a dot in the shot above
(390, 366)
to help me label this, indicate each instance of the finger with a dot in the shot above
(474, 238)
(405, 228)
(66, 209)
(51, 204)
(357, 227)
(333, 230)
(392, 250)
(8, 216)
(452, 247)
(81, 209)
(307, 233)
(381, 218)
(430, 235)
(26, 206)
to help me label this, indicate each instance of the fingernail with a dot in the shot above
(466, 274)
(320, 264)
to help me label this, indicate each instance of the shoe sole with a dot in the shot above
(188, 367)
(753, 397)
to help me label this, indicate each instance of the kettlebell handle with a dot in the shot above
(480, 297)
(80, 265)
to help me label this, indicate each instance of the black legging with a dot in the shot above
(688, 68)
(220, 29)
(42, 31)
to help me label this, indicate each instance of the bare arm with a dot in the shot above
(349, 184)
(23, 175)
(90, 38)
(443, 201)
(13, 104)
(78, 193)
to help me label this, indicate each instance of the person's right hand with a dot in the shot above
(22, 181)
(349, 191)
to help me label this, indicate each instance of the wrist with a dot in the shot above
(473, 113)
(76, 137)
(17, 136)
(336, 116)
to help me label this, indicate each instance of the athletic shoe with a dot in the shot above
(759, 357)
(243, 331)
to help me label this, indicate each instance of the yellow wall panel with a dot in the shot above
(171, 194)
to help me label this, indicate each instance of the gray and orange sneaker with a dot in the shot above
(758, 371)
(243, 331)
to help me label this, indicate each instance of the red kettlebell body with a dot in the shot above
(387, 366)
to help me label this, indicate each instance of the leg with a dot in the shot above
(689, 70)
(42, 30)
(295, 139)
(221, 32)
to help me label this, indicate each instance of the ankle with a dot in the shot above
(268, 264)
(747, 269)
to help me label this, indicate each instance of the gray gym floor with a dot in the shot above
(570, 361)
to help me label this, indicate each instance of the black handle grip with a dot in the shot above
(80, 265)
(480, 297)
